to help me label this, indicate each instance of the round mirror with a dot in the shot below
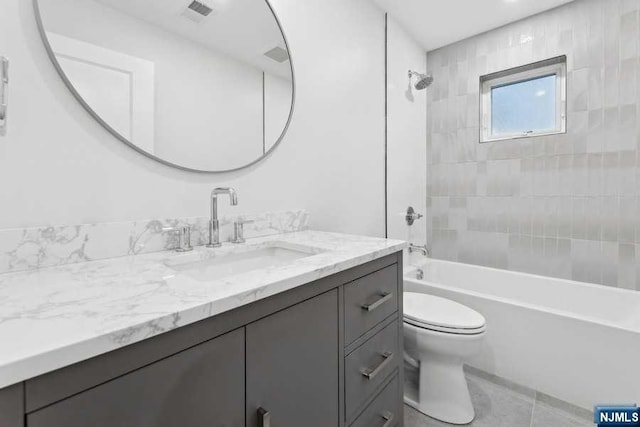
(203, 85)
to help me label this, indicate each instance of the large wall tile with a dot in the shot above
(562, 205)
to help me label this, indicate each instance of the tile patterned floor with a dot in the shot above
(499, 405)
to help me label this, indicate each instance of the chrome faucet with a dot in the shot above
(214, 224)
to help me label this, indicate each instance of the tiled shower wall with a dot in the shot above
(564, 205)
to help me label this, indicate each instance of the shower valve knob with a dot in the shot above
(412, 216)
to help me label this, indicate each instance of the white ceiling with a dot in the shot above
(437, 23)
(241, 29)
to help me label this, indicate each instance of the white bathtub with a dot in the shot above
(574, 341)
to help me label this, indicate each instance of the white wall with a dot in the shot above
(59, 166)
(406, 135)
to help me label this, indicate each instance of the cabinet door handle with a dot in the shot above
(264, 418)
(388, 417)
(372, 373)
(383, 298)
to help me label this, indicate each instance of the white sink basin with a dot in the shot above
(207, 266)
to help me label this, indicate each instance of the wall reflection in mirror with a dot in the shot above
(204, 85)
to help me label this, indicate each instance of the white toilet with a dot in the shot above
(439, 335)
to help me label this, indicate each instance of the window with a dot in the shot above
(525, 101)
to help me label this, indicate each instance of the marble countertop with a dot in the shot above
(55, 317)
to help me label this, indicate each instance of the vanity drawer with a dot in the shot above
(369, 366)
(369, 300)
(385, 410)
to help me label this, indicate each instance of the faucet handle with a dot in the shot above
(184, 237)
(412, 216)
(238, 230)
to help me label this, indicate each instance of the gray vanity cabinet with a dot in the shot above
(292, 366)
(12, 406)
(324, 354)
(199, 387)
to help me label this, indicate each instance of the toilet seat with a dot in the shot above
(441, 315)
(441, 329)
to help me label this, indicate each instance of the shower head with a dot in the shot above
(424, 80)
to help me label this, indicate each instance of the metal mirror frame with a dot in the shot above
(69, 84)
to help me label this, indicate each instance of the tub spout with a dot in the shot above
(422, 249)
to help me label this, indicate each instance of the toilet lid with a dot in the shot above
(434, 312)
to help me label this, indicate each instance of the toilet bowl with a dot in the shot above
(439, 335)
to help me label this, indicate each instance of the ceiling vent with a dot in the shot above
(200, 8)
(197, 11)
(278, 54)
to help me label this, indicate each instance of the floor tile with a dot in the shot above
(494, 379)
(413, 418)
(547, 416)
(495, 406)
(564, 407)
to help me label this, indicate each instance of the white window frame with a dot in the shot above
(551, 67)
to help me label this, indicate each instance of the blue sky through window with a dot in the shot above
(524, 106)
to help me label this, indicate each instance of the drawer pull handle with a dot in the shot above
(372, 373)
(387, 296)
(388, 417)
(264, 418)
